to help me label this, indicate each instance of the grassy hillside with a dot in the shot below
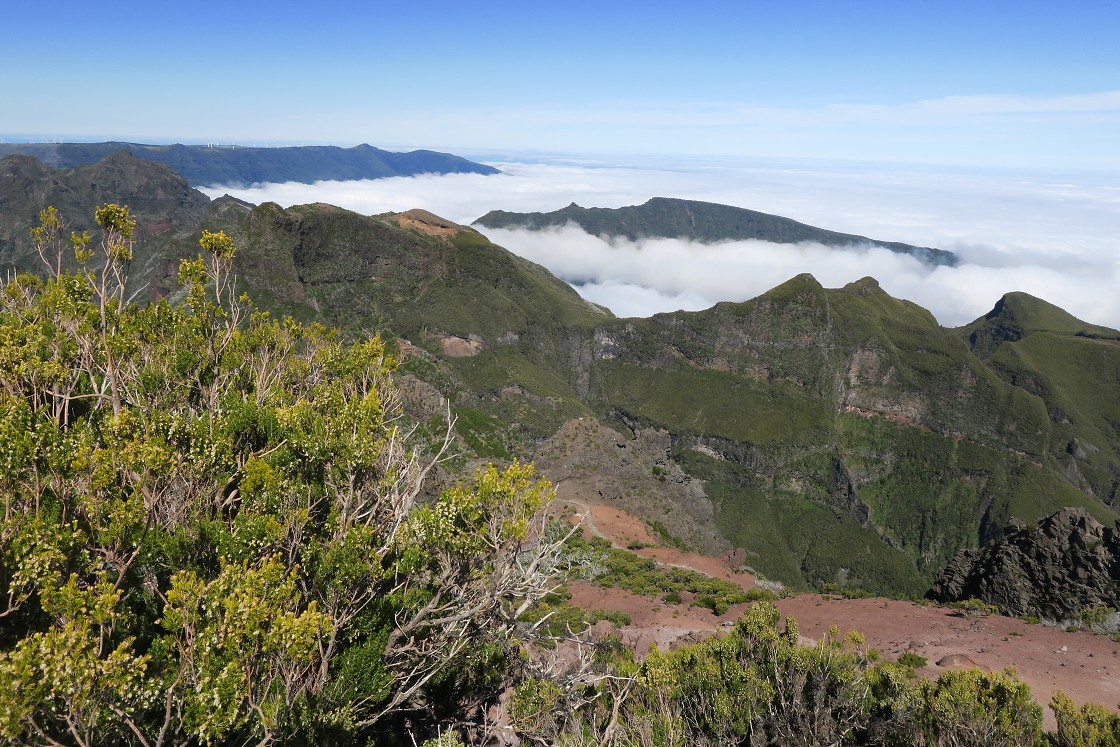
(1074, 369)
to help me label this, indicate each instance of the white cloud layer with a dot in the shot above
(1054, 235)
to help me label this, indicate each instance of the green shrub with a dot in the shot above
(1087, 726)
(625, 570)
(534, 706)
(968, 708)
(1095, 618)
(760, 594)
(707, 601)
(912, 661)
(667, 537)
(446, 739)
(973, 607)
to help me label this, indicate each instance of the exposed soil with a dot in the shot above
(460, 347)
(1084, 666)
(427, 223)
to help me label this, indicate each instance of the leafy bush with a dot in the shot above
(1087, 726)
(667, 537)
(912, 661)
(969, 707)
(211, 528)
(973, 607)
(1097, 619)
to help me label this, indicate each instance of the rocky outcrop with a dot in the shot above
(592, 464)
(1057, 570)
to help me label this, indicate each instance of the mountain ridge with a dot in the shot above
(203, 165)
(707, 222)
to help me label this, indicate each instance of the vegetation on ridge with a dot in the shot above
(211, 528)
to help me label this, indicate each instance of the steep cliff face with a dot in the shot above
(1058, 569)
(168, 211)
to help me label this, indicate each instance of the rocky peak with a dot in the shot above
(1058, 569)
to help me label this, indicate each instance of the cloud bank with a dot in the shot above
(644, 277)
(1054, 235)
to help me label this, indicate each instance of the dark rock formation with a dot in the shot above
(1058, 569)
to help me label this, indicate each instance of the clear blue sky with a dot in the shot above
(991, 83)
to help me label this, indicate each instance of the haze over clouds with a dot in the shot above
(1054, 235)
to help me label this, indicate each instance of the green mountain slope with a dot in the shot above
(844, 401)
(204, 165)
(699, 221)
(1074, 369)
(500, 327)
(838, 436)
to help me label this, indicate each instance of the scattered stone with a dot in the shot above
(957, 660)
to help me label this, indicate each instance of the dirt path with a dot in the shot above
(583, 515)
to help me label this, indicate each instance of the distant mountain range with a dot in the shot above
(707, 222)
(838, 437)
(203, 165)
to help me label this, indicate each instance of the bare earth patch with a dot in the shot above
(427, 223)
(455, 346)
(1084, 666)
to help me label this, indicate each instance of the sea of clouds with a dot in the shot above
(1055, 235)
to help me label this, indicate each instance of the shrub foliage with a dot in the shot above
(211, 530)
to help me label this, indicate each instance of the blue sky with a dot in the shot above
(1022, 84)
